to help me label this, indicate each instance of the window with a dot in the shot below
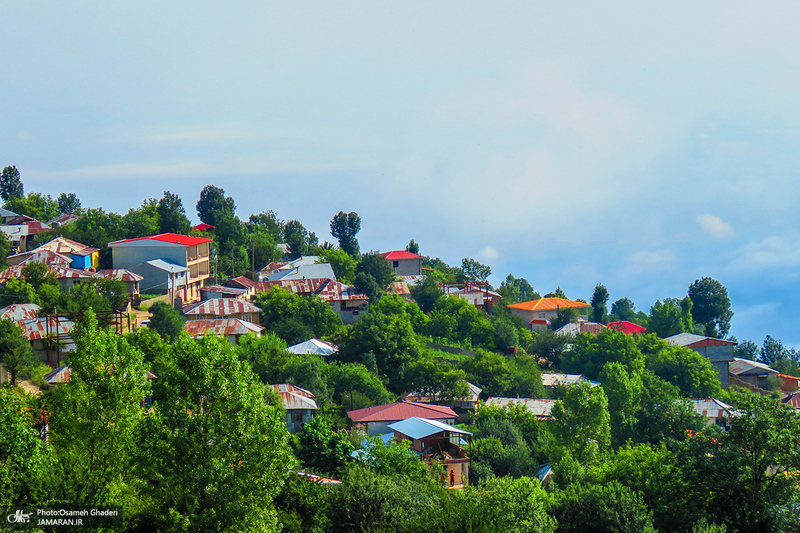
(395, 264)
(247, 317)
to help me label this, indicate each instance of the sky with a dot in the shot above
(634, 144)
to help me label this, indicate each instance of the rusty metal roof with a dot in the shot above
(120, 274)
(221, 307)
(44, 327)
(221, 326)
(540, 408)
(222, 289)
(401, 411)
(294, 397)
(18, 312)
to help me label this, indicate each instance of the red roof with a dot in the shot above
(173, 238)
(400, 254)
(401, 411)
(203, 227)
(628, 328)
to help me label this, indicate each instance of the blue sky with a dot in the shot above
(636, 145)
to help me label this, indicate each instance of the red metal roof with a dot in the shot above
(400, 254)
(221, 326)
(203, 227)
(401, 411)
(628, 328)
(173, 238)
(221, 307)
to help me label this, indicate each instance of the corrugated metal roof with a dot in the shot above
(120, 274)
(576, 328)
(47, 257)
(313, 347)
(221, 326)
(401, 411)
(745, 366)
(59, 375)
(626, 327)
(167, 267)
(545, 304)
(539, 407)
(690, 339)
(221, 307)
(711, 408)
(44, 327)
(473, 395)
(294, 397)
(321, 270)
(419, 428)
(222, 289)
(565, 380)
(172, 238)
(18, 312)
(63, 218)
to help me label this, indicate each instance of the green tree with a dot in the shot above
(712, 307)
(515, 290)
(10, 184)
(24, 458)
(68, 203)
(608, 508)
(95, 417)
(16, 353)
(213, 453)
(172, 215)
(412, 247)
(296, 237)
(624, 391)
(589, 353)
(37, 274)
(142, 221)
(5, 247)
(581, 422)
(373, 275)
(666, 320)
(475, 271)
(342, 263)
(268, 221)
(429, 377)
(296, 318)
(323, 449)
(212, 203)
(688, 370)
(344, 227)
(34, 205)
(166, 321)
(353, 386)
(746, 350)
(599, 300)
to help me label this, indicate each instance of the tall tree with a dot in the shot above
(166, 321)
(10, 184)
(68, 203)
(211, 199)
(712, 306)
(212, 451)
(475, 271)
(172, 215)
(16, 353)
(344, 227)
(599, 300)
(412, 247)
(373, 275)
(296, 236)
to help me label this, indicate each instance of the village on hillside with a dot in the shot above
(242, 375)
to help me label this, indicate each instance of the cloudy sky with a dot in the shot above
(637, 145)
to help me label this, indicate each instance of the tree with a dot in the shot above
(344, 227)
(35, 205)
(37, 274)
(608, 508)
(322, 448)
(95, 416)
(211, 200)
(296, 237)
(599, 300)
(624, 391)
(172, 215)
(475, 271)
(213, 453)
(712, 307)
(68, 203)
(342, 263)
(745, 350)
(428, 377)
(666, 319)
(10, 184)
(268, 220)
(166, 321)
(296, 318)
(581, 422)
(412, 247)
(516, 290)
(142, 221)
(373, 275)
(353, 386)
(16, 353)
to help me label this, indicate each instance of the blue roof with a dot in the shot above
(418, 428)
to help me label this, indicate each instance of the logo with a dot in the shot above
(19, 517)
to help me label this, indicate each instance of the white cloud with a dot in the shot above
(715, 227)
(651, 259)
(488, 255)
(202, 135)
(775, 251)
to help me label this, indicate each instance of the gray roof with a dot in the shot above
(166, 266)
(316, 271)
(685, 339)
(419, 428)
(314, 347)
(5, 213)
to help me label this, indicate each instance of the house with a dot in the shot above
(752, 372)
(538, 314)
(63, 219)
(478, 294)
(556, 379)
(628, 328)
(404, 263)
(168, 262)
(305, 267)
(69, 277)
(466, 403)
(298, 404)
(716, 412)
(789, 384)
(792, 400)
(541, 408)
(224, 308)
(576, 328)
(221, 291)
(80, 256)
(313, 347)
(439, 444)
(21, 229)
(130, 279)
(348, 302)
(232, 329)
(718, 351)
(376, 419)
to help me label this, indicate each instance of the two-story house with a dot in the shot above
(168, 262)
(537, 314)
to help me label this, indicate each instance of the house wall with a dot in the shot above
(379, 428)
(407, 267)
(720, 357)
(295, 419)
(81, 262)
(350, 312)
(133, 254)
(156, 280)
